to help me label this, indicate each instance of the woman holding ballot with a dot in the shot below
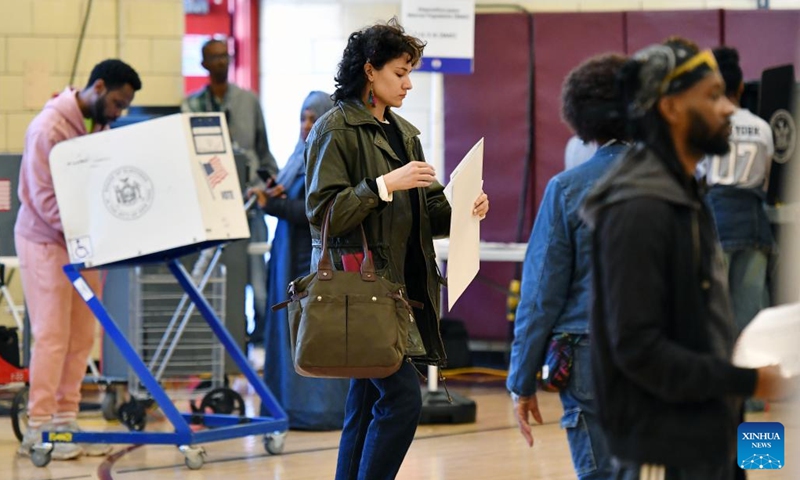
(367, 162)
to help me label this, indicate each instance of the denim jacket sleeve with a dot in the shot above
(546, 277)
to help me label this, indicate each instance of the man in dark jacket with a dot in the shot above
(668, 396)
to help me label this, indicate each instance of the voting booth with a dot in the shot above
(148, 190)
(150, 193)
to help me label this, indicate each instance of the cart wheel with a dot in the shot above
(274, 442)
(195, 456)
(109, 405)
(41, 454)
(223, 400)
(133, 415)
(19, 413)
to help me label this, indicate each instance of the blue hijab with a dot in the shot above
(319, 103)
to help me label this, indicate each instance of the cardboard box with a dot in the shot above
(151, 187)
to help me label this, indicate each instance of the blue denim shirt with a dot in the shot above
(556, 275)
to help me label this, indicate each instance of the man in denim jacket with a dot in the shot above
(556, 276)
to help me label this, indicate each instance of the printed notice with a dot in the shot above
(208, 135)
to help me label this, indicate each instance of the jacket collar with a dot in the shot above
(639, 173)
(356, 113)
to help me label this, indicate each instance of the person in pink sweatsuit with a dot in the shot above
(61, 323)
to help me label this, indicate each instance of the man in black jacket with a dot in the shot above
(662, 330)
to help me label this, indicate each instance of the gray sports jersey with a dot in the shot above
(748, 163)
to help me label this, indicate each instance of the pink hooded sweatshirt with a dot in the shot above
(39, 219)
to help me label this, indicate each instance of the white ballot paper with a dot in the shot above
(772, 338)
(463, 260)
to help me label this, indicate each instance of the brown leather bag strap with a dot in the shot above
(367, 265)
(324, 266)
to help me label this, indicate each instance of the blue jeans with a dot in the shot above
(747, 279)
(590, 455)
(633, 471)
(381, 417)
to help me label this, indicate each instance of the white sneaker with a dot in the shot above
(61, 451)
(90, 449)
(257, 356)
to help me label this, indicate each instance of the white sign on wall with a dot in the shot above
(449, 28)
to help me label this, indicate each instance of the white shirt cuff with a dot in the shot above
(383, 192)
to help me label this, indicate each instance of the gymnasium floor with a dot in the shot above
(491, 448)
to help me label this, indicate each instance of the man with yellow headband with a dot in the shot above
(668, 397)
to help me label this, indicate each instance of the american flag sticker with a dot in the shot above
(215, 172)
(5, 195)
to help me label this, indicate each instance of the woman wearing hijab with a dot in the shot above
(310, 403)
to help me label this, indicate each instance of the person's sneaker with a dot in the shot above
(61, 451)
(90, 449)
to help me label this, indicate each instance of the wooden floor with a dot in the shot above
(491, 448)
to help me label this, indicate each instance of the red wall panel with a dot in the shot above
(216, 22)
(560, 42)
(704, 27)
(493, 103)
(764, 39)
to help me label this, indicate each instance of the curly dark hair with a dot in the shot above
(377, 45)
(728, 60)
(115, 74)
(590, 101)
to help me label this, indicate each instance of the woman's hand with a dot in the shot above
(264, 194)
(261, 195)
(411, 175)
(481, 206)
(276, 191)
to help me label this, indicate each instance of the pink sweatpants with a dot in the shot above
(61, 324)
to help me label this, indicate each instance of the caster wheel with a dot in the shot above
(224, 401)
(109, 404)
(19, 413)
(274, 442)
(133, 415)
(41, 454)
(195, 457)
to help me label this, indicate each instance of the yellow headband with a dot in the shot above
(704, 57)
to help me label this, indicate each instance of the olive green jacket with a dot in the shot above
(346, 146)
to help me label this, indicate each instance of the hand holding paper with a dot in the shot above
(771, 339)
(481, 205)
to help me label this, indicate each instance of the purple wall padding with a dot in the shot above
(493, 103)
(704, 27)
(560, 42)
(764, 39)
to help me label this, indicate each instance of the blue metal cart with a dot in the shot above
(218, 426)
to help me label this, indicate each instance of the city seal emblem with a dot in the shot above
(128, 193)
(785, 131)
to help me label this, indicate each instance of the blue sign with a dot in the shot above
(760, 446)
(445, 65)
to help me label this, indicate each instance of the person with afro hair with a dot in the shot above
(556, 277)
